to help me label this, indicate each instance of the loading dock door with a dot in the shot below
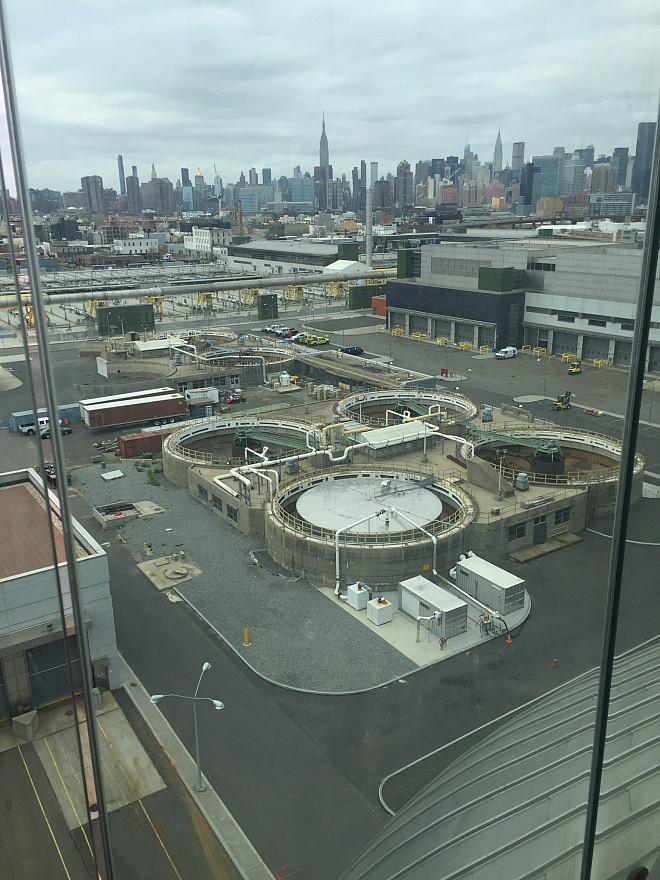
(622, 353)
(464, 332)
(595, 347)
(49, 679)
(564, 342)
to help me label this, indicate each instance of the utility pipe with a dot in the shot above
(346, 528)
(213, 286)
(425, 532)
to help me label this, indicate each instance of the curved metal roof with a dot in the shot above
(514, 806)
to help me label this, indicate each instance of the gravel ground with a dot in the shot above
(298, 636)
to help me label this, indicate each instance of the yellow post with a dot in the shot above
(246, 636)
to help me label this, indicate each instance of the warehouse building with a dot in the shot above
(561, 296)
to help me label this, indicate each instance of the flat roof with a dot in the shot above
(435, 595)
(25, 544)
(290, 247)
(110, 403)
(393, 435)
(157, 344)
(486, 569)
(150, 392)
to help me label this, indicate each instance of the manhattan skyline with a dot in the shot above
(240, 85)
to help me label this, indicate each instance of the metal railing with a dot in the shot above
(466, 512)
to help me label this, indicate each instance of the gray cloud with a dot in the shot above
(245, 83)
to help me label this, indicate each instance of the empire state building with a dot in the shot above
(324, 155)
(323, 174)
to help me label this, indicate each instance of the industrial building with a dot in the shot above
(559, 296)
(33, 667)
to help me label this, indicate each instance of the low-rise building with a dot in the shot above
(33, 642)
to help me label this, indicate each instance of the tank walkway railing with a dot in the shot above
(174, 443)
(514, 434)
(466, 512)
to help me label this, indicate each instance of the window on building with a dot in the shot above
(562, 516)
(597, 322)
(217, 502)
(202, 492)
(232, 513)
(517, 531)
(567, 319)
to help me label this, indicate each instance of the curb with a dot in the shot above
(232, 837)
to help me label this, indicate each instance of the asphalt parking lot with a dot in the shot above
(351, 743)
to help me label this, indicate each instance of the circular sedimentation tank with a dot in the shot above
(222, 441)
(379, 408)
(558, 456)
(371, 525)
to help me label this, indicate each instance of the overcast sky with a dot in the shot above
(245, 83)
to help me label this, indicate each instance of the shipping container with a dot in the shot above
(491, 586)
(68, 411)
(146, 409)
(132, 445)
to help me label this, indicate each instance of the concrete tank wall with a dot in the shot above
(379, 565)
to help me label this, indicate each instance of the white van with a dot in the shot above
(508, 352)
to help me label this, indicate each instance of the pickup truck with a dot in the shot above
(42, 424)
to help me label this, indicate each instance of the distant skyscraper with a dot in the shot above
(266, 176)
(603, 178)
(422, 170)
(324, 153)
(154, 176)
(134, 170)
(254, 177)
(641, 176)
(497, 154)
(586, 155)
(92, 188)
(518, 157)
(323, 172)
(620, 161)
(547, 177)
(133, 199)
(199, 178)
(373, 174)
(403, 186)
(572, 177)
(122, 179)
(185, 177)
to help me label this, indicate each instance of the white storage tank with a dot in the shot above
(419, 597)
(490, 585)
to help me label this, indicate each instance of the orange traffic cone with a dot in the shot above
(554, 663)
(508, 639)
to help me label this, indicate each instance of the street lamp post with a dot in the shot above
(200, 786)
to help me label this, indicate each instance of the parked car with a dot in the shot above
(45, 432)
(285, 332)
(352, 349)
(299, 338)
(575, 368)
(271, 328)
(317, 340)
